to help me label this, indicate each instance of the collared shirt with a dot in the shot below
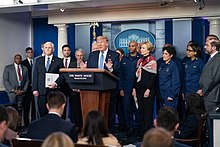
(30, 60)
(212, 55)
(104, 53)
(51, 112)
(16, 69)
(68, 61)
(46, 58)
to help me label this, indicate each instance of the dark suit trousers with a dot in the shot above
(26, 105)
(76, 111)
(112, 110)
(42, 100)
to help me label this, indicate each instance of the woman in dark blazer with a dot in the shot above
(168, 77)
(193, 66)
(144, 86)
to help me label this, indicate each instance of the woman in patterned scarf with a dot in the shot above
(144, 86)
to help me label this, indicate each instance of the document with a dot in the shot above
(50, 78)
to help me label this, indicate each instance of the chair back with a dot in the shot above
(198, 140)
(4, 100)
(201, 128)
(26, 143)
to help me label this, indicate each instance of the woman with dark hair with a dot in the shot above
(168, 77)
(144, 86)
(193, 66)
(121, 53)
(194, 110)
(95, 131)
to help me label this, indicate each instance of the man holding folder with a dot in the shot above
(44, 66)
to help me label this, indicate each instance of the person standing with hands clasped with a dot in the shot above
(144, 86)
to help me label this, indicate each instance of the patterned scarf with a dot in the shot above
(147, 63)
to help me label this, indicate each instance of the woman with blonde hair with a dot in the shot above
(13, 118)
(58, 139)
(144, 87)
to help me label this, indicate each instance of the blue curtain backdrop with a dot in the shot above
(43, 32)
(200, 30)
(71, 38)
(169, 31)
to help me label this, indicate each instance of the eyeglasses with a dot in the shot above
(188, 50)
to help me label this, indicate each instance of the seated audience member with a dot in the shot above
(157, 137)
(58, 139)
(3, 124)
(168, 119)
(13, 119)
(52, 122)
(195, 108)
(96, 132)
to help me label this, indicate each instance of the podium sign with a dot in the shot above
(81, 77)
(95, 85)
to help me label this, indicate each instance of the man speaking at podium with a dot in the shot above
(106, 59)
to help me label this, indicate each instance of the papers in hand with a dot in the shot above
(50, 78)
(136, 102)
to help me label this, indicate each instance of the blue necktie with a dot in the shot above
(101, 64)
(48, 64)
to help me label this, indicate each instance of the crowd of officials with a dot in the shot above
(189, 86)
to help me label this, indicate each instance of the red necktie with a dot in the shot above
(66, 63)
(19, 73)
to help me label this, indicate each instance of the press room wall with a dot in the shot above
(15, 36)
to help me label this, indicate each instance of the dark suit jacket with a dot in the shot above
(64, 86)
(27, 64)
(94, 60)
(73, 63)
(210, 79)
(40, 71)
(10, 80)
(43, 127)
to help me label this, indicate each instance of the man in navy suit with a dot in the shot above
(52, 122)
(74, 95)
(107, 59)
(45, 64)
(28, 99)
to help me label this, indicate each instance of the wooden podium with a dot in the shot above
(95, 85)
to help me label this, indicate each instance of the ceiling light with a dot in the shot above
(62, 9)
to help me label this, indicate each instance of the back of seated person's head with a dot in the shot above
(58, 139)
(194, 105)
(157, 137)
(13, 117)
(167, 118)
(56, 99)
(3, 122)
(95, 127)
